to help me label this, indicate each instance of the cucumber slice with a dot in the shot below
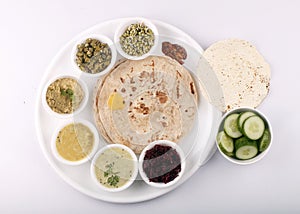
(264, 141)
(231, 126)
(253, 127)
(245, 148)
(225, 143)
(243, 116)
(230, 154)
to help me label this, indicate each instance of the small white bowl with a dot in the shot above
(134, 173)
(82, 104)
(103, 39)
(121, 29)
(267, 125)
(89, 156)
(164, 143)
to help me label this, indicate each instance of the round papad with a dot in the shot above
(243, 73)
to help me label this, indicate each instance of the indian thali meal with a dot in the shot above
(156, 98)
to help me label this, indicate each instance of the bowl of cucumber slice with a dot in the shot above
(244, 135)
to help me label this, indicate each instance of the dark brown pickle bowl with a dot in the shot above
(163, 143)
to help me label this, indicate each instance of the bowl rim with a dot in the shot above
(82, 104)
(124, 25)
(129, 182)
(167, 143)
(267, 123)
(89, 156)
(102, 38)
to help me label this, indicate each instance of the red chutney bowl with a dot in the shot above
(161, 163)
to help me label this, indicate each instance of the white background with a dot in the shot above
(32, 32)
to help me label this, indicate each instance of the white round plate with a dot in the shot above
(198, 146)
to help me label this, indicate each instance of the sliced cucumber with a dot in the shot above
(253, 127)
(242, 117)
(225, 143)
(264, 141)
(231, 126)
(245, 148)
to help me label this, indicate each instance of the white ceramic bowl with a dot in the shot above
(103, 39)
(134, 173)
(82, 104)
(121, 29)
(164, 143)
(89, 156)
(267, 125)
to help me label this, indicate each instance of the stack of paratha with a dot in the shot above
(145, 100)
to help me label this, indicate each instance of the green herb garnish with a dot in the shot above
(113, 179)
(67, 93)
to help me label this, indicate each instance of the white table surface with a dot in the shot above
(32, 32)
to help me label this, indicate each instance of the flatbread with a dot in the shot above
(159, 102)
(243, 73)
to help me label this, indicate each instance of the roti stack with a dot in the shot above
(145, 100)
(243, 73)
